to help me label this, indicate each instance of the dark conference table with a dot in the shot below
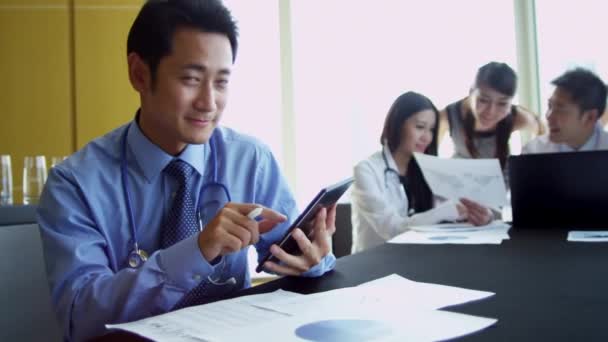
(546, 289)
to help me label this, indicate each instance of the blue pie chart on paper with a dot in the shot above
(448, 237)
(343, 330)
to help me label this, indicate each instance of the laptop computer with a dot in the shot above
(560, 190)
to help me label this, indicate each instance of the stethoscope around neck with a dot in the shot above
(388, 169)
(138, 256)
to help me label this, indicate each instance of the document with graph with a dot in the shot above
(480, 180)
(387, 309)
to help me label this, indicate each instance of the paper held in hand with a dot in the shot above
(480, 180)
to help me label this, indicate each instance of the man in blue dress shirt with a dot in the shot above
(104, 210)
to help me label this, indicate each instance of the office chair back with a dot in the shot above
(25, 313)
(343, 237)
(17, 214)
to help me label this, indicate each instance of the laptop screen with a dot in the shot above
(560, 190)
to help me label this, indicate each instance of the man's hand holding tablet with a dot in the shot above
(308, 239)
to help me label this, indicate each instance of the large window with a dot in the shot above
(254, 106)
(570, 35)
(353, 58)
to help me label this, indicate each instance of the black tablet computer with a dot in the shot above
(324, 199)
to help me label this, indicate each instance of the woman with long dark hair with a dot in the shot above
(481, 124)
(389, 193)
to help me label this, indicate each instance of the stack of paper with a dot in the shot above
(388, 309)
(455, 233)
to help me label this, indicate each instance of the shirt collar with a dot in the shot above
(388, 157)
(591, 143)
(152, 159)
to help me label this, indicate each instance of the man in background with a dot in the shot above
(575, 107)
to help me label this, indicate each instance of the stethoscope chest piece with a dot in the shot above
(137, 257)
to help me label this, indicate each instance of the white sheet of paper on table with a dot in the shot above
(494, 233)
(480, 180)
(394, 309)
(208, 322)
(457, 227)
(392, 290)
(391, 324)
(588, 236)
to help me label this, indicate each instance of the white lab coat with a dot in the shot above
(380, 205)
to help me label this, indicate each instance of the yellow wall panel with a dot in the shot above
(34, 4)
(104, 96)
(35, 96)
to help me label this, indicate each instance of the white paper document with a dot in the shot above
(455, 233)
(390, 291)
(480, 180)
(388, 309)
(391, 324)
(210, 322)
(588, 236)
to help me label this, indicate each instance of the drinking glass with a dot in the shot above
(34, 176)
(6, 180)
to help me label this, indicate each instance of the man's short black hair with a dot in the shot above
(587, 90)
(151, 35)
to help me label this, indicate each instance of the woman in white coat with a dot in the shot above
(390, 194)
